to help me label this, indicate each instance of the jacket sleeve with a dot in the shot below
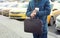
(46, 10)
(28, 10)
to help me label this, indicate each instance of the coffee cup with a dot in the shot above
(37, 9)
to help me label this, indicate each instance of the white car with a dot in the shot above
(58, 23)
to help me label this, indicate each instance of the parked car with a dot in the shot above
(8, 7)
(5, 9)
(19, 12)
(55, 11)
(1, 8)
(58, 23)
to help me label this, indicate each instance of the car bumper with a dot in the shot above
(17, 16)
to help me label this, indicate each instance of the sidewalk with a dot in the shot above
(15, 29)
(11, 33)
(51, 35)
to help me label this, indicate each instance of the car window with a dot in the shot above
(23, 5)
(6, 5)
(58, 1)
(14, 5)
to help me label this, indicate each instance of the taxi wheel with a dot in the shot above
(52, 21)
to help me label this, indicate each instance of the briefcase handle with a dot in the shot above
(32, 18)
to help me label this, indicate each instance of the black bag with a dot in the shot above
(33, 26)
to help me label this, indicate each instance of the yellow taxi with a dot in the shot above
(54, 13)
(19, 12)
(52, 17)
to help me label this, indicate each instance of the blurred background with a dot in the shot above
(13, 14)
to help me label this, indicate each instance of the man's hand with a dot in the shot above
(33, 13)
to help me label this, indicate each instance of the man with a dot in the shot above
(44, 11)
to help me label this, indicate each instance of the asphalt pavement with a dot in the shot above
(10, 28)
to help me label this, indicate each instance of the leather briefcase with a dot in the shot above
(33, 26)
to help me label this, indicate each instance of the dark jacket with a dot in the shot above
(44, 10)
